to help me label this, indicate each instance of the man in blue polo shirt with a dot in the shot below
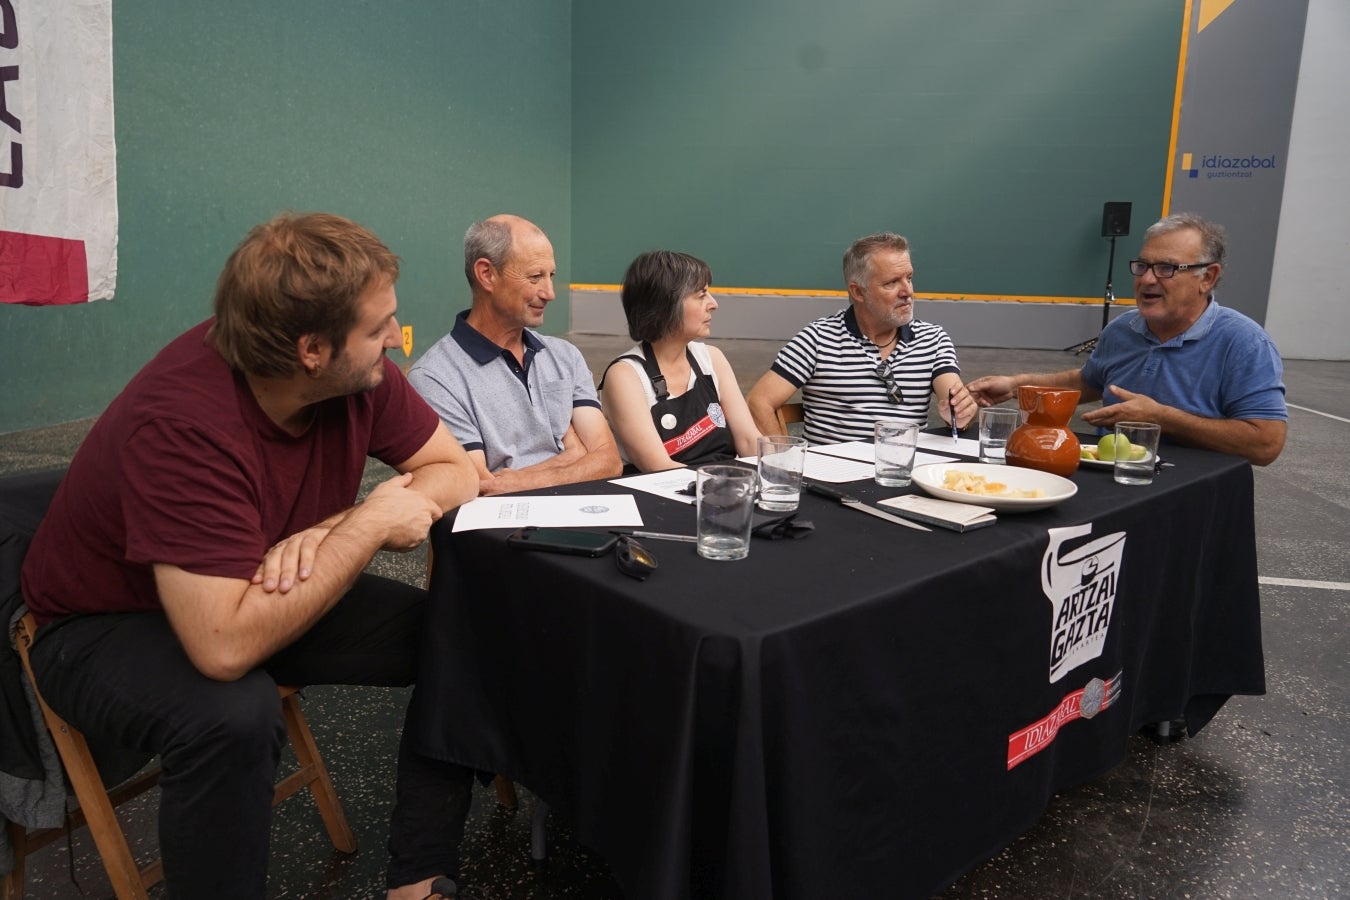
(1210, 376)
(522, 404)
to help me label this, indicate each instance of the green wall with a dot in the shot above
(765, 136)
(413, 117)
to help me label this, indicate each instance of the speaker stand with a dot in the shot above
(1108, 297)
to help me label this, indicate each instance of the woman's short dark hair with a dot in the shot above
(654, 287)
(293, 276)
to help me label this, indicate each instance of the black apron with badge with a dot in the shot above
(692, 426)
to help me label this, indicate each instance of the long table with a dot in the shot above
(868, 712)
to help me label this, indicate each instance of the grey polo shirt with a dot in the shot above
(517, 415)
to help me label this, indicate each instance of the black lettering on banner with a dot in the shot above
(8, 74)
(14, 177)
(9, 39)
(9, 28)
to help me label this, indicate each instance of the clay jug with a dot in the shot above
(1045, 441)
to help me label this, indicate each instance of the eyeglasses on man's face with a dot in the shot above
(1164, 270)
(883, 371)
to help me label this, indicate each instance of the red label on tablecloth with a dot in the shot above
(1083, 703)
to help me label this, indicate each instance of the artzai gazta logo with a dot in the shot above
(1079, 580)
(1216, 165)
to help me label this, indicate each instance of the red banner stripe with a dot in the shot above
(39, 271)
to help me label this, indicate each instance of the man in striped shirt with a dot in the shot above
(872, 361)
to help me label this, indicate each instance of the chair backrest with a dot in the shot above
(789, 414)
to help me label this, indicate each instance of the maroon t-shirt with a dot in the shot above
(184, 468)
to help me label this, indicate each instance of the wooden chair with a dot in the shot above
(789, 414)
(97, 803)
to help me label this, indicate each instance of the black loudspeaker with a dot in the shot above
(1115, 219)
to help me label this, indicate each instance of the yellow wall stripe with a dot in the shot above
(1176, 110)
(785, 292)
(924, 295)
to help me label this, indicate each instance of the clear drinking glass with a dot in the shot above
(1136, 464)
(996, 426)
(781, 461)
(726, 506)
(895, 444)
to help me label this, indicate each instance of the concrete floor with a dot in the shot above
(1257, 805)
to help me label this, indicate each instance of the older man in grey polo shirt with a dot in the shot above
(522, 404)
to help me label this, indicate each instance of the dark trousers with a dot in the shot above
(124, 679)
(431, 803)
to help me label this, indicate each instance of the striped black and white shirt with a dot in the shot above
(834, 364)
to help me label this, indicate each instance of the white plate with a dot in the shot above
(1096, 463)
(1055, 488)
(1109, 464)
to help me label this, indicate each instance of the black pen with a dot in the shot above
(659, 536)
(951, 410)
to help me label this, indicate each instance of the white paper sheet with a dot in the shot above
(836, 469)
(943, 443)
(866, 453)
(662, 484)
(831, 469)
(517, 511)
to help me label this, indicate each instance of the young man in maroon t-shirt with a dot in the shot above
(204, 545)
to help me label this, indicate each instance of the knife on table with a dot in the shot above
(853, 502)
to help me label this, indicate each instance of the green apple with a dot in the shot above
(1109, 446)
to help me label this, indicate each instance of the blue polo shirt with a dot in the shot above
(516, 414)
(1225, 366)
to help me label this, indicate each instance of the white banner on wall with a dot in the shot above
(58, 156)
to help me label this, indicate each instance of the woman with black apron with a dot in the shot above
(673, 400)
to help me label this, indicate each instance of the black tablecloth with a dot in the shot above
(867, 712)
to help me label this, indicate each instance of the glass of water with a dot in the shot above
(782, 459)
(895, 444)
(726, 506)
(1136, 459)
(996, 426)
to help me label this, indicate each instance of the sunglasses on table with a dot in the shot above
(633, 559)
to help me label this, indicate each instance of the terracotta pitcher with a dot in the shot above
(1045, 441)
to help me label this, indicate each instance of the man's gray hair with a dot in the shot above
(1212, 235)
(489, 239)
(858, 257)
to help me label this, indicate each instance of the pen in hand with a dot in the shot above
(951, 411)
